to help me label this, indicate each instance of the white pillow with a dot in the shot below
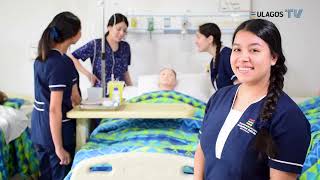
(130, 92)
(148, 83)
(197, 85)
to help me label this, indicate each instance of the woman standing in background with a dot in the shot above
(208, 39)
(118, 54)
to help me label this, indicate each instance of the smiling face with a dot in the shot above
(118, 31)
(251, 58)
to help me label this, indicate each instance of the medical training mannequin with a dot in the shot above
(208, 39)
(118, 54)
(52, 133)
(167, 79)
(253, 130)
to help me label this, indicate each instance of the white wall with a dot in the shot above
(20, 31)
(300, 43)
(22, 23)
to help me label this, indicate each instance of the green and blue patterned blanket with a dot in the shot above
(311, 166)
(19, 156)
(178, 136)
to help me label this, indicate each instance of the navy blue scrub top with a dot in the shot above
(224, 75)
(289, 128)
(92, 50)
(57, 73)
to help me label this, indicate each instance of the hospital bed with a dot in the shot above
(17, 156)
(195, 85)
(311, 166)
(147, 163)
(138, 148)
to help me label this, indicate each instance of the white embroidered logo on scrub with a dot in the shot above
(248, 126)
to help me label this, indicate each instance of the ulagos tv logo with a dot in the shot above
(287, 13)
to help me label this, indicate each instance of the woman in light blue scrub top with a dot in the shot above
(253, 130)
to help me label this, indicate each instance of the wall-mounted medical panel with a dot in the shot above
(182, 23)
(181, 16)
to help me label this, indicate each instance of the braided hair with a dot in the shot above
(269, 33)
(211, 29)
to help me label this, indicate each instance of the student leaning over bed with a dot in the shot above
(118, 54)
(55, 75)
(253, 130)
(208, 39)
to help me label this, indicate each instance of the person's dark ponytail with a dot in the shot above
(211, 29)
(217, 58)
(63, 26)
(45, 44)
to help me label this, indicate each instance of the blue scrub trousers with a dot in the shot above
(50, 168)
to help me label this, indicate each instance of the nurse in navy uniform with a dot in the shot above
(208, 39)
(55, 77)
(253, 130)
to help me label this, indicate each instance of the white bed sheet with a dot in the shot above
(130, 92)
(12, 122)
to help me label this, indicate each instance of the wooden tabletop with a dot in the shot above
(137, 110)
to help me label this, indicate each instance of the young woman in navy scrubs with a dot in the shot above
(52, 133)
(118, 54)
(253, 130)
(208, 39)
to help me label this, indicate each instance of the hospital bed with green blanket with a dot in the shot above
(142, 148)
(17, 155)
(145, 148)
(311, 166)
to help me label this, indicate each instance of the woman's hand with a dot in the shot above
(64, 156)
(93, 79)
(75, 96)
